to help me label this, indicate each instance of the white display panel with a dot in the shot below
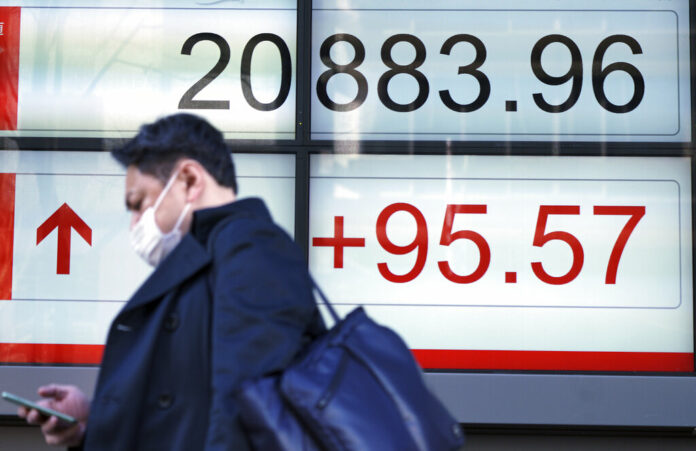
(540, 254)
(511, 70)
(101, 69)
(46, 302)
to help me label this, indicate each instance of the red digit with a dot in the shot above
(635, 213)
(420, 242)
(541, 238)
(448, 237)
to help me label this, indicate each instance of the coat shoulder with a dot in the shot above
(252, 231)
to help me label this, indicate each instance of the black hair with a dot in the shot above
(158, 146)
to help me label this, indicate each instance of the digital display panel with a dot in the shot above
(101, 69)
(547, 264)
(511, 262)
(510, 70)
(67, 264)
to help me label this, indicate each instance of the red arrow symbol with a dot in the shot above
(64, 219)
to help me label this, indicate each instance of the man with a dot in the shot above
(230, 299)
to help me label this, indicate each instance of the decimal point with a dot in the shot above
(511, 105)
(511, 277)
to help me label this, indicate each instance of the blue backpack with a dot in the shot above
(355, 388)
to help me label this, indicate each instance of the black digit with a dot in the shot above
(325, 55)
(410, 69)
(285, 64)
(187, 100)
(470, 69)
(574, 72)
(599, 74)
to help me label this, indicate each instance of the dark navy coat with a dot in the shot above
(232, 301)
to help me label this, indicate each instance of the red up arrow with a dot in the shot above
(64, 219)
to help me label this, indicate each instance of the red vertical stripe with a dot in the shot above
(9, 66)
(7, 210)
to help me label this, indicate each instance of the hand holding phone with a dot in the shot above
(63, 400)
(32, 405)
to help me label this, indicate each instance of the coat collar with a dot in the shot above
(186, 259)
(204, 221)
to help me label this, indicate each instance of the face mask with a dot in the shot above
(147, 239)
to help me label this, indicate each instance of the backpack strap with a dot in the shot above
(325, 300)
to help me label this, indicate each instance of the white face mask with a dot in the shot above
(148, 241)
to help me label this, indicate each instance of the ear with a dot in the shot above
(193, 174)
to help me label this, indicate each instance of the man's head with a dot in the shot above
(187, 150)
(158, 147)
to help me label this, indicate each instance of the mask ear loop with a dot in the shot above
(169, 184)
(187, 207)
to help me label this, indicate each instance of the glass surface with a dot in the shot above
(62, 290)
(511, 262)
(508, 70)
(101, 69)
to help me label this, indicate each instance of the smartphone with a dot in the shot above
(32, 405)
